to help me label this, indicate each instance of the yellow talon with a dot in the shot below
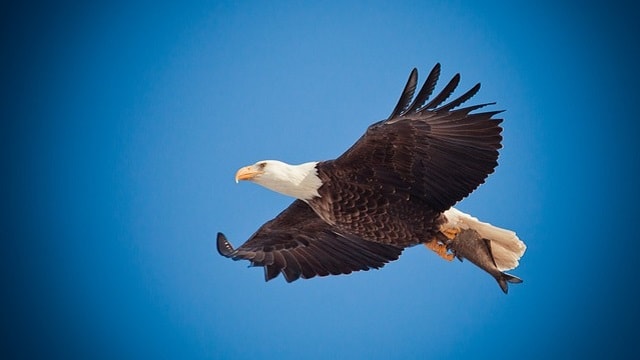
(450, 233)
(439, 248)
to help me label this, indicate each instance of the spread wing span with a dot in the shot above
(298, 244)
(439, 152)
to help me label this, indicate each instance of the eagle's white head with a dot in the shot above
(299, 181)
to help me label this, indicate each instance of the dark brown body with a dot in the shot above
(359, 203)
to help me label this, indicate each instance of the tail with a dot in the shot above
(504, 279)
(506, 247)
(493, 249)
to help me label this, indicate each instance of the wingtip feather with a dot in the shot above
(407, 94)
(224, 246)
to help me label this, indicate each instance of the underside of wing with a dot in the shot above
(431, 150)
(298, 244)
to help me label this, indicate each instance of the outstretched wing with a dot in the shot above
(435, 152)
(298, 244)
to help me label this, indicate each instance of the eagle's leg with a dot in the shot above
(439, 248)
(450, 232)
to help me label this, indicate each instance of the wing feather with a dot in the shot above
(437, 153)
(426, 90)
(297, 243)
(407, 94)
(444, 94)
(460, 100)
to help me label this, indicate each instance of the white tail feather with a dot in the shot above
(507, 248)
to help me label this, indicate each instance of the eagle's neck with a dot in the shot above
(299, 181)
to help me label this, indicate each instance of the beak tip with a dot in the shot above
(246, 173)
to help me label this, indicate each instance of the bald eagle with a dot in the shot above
(393, 189)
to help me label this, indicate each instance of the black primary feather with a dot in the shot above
(426, 90)
(407, 94)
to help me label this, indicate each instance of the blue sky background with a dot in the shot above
(124, 123)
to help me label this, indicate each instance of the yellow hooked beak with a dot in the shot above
(248, 173)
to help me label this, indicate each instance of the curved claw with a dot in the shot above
(439, 248)
(224, 246)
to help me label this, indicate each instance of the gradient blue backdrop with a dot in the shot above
(124, 123)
